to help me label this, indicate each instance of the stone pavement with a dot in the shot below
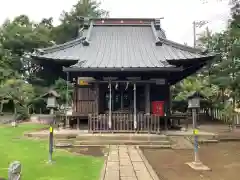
(127, 163)
(180, 142)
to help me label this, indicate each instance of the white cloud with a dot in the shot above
(178, 14)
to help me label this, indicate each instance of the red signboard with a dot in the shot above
(158, 108)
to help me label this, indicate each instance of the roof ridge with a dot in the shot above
(59, 46)
(124, 18)
(157, 40)
(85, 42)
(180, 46)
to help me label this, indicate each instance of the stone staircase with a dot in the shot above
(153, 140)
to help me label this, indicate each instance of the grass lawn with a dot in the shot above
(33, 154)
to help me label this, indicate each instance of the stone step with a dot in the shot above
(46, 135)
(64, 140)
(65, 136)
(208, 141)
(121, 142)
(237, 126)
(156, 146)
(63, 145)
(229, 139)
(204, 140)
(126, 137)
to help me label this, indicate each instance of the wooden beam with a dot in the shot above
(125, 81)
(133, 78)
(159, 81)
(109, 78)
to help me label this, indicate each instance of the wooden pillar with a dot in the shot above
(122, 99)
(67, 120)
(113, 95)
(97, 98)
(170, 100)
(66, 105)
(135, 105)
(78, 123)
(110, 105)
(147, 99)
(75, 99)
(167, 107)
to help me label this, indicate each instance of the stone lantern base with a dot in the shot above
(199, 166)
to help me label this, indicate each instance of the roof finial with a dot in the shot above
(158, 23)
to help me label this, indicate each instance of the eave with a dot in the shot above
(128, 69)
(58, 61)
(178, 62)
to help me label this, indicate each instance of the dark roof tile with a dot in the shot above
(121, 46)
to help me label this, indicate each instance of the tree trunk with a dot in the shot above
(222, 95)
(1, 108)
(234, 107)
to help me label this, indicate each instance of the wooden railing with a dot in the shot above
(121, 122)
(125, 123)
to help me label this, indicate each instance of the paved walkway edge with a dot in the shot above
(148, 166)
(102, 174)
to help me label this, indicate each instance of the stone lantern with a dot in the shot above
(51, 99)
(194, 105)
(194, 100)
(51, 104)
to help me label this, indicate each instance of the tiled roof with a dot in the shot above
(121, 46)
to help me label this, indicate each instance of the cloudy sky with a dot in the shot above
(178, 14)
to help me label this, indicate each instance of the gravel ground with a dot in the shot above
(222, 158)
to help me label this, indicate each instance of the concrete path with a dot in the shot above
(127, 163)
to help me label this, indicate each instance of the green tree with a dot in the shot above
(21, 93)
(60, 87)
(195, 84)
(225, 71)
(20, 37)
(72, 21)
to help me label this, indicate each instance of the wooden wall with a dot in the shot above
(86, 99)
(90, 99)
